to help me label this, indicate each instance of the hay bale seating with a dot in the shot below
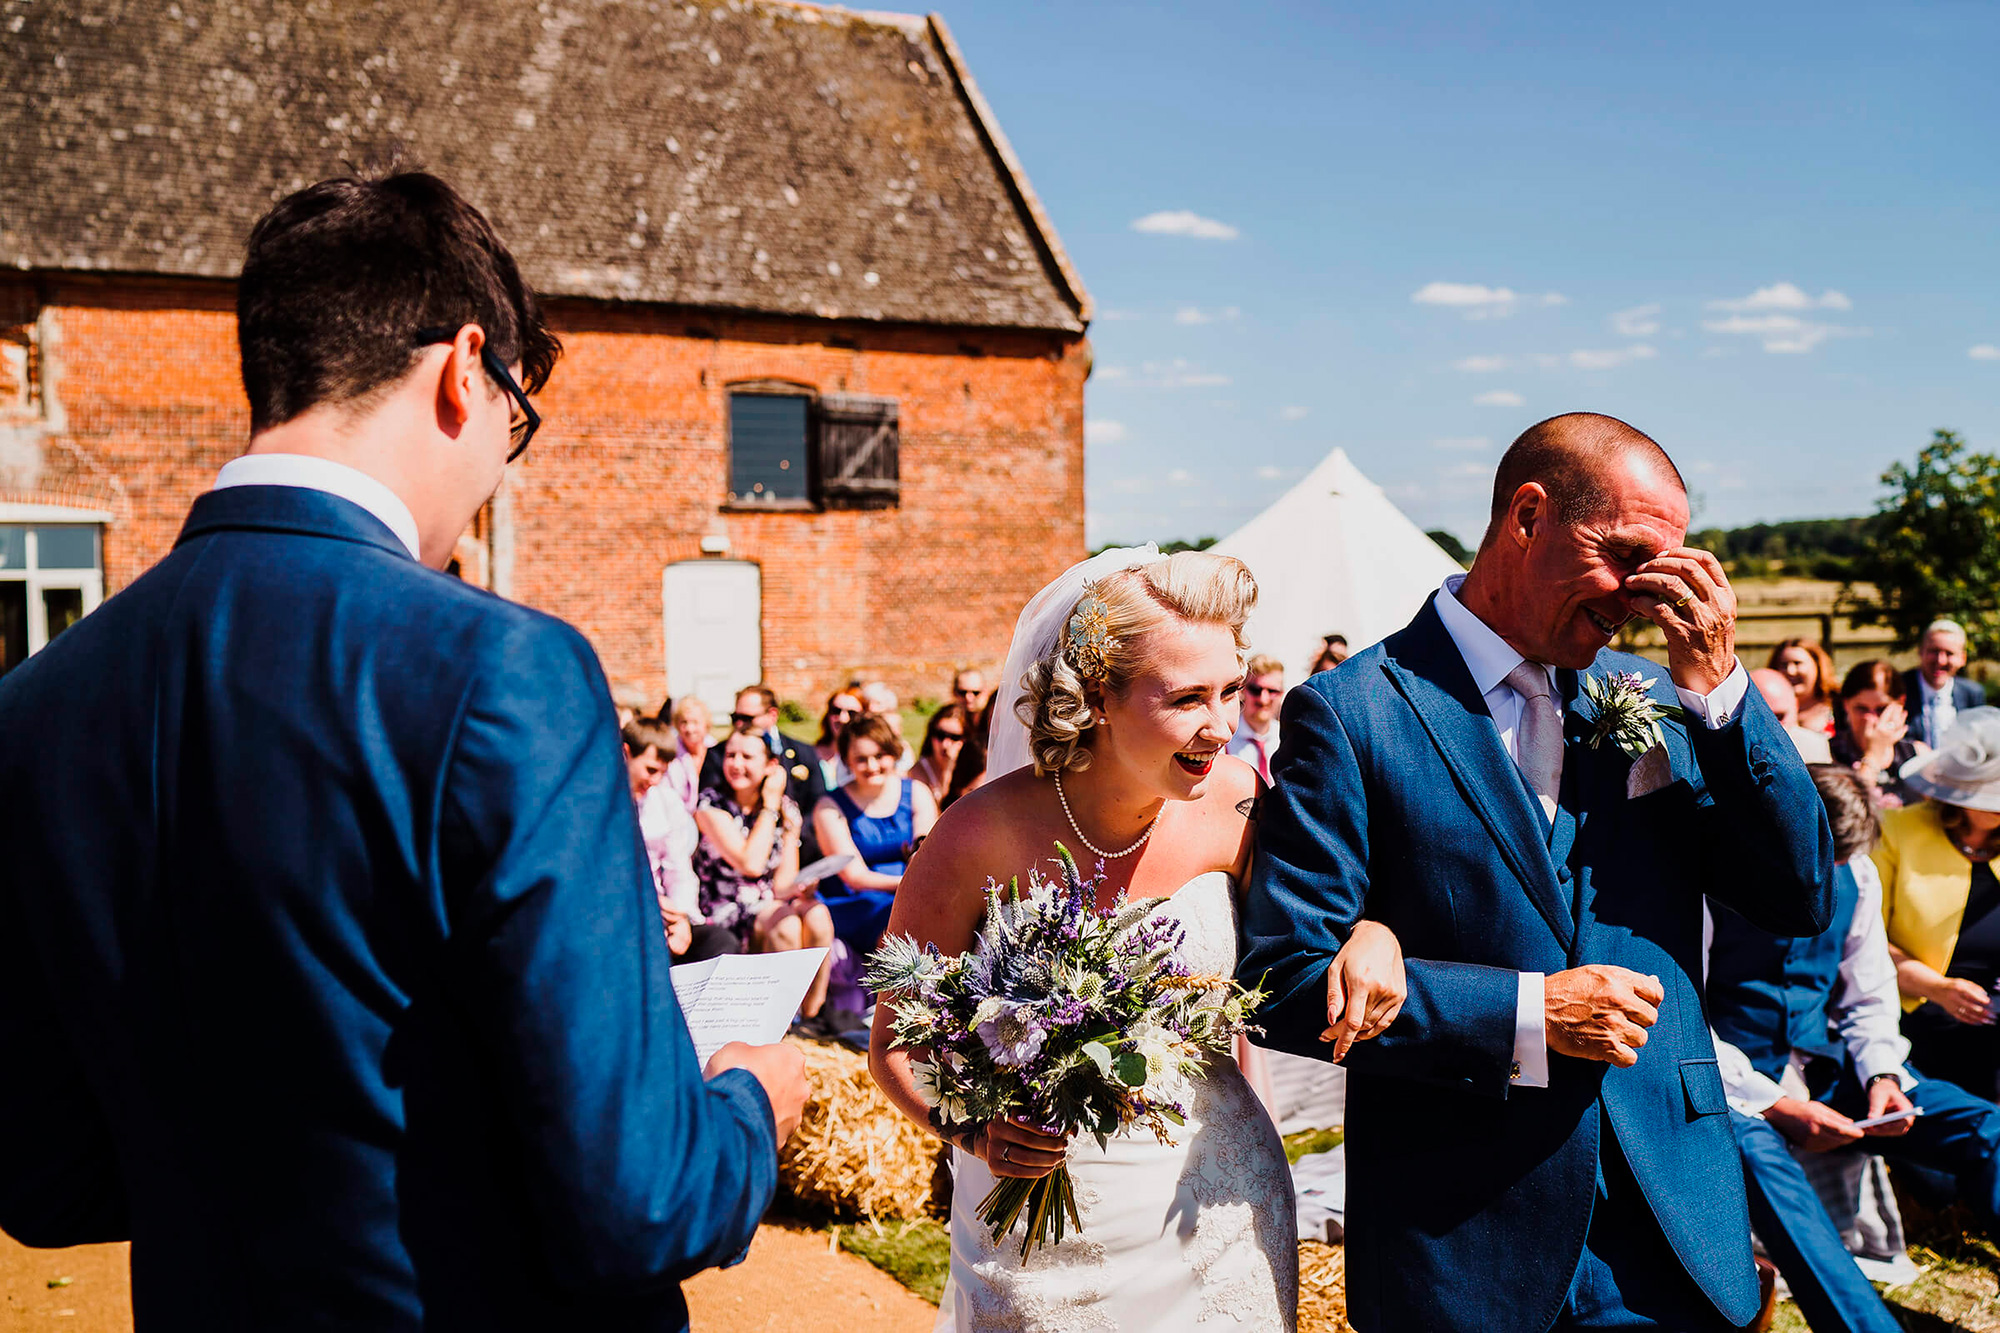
(1322, 1288)
(855, 1155)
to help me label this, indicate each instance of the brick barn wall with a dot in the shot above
(630, 470)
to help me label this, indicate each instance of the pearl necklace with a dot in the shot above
(1094, 849)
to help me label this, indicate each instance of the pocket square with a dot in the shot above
(1650, 772)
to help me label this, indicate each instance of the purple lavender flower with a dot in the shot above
(1013, 1036)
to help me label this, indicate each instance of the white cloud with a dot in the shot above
(1780, 333)
(1175, 374)
(1183, 222)
(1466, 443)
(1478, 301)
(1188, 314)
(1610, 358)
(1500, 398)
(1293, 413)
(1641, 321)
(1984, 352)
(1461, 295)
(1131, 485)
(1480, 365)
(1096, 430)
(1180, 476)
(1785, 296)
(1269, 473)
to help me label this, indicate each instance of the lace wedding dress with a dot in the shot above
(1173, 1238)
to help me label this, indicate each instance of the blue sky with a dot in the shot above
(1765, 234)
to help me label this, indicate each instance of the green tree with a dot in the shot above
(1450, 544)
(1936, 547)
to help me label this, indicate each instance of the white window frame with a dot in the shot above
(90, 582)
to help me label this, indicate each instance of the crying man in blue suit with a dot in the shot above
(1540, 1139)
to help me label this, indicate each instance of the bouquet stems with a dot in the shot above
(1047, 1201)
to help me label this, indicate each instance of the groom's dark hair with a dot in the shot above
(1570, 456)
(341, 275)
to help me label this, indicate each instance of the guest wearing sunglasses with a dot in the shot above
(1256, 738)
(842, 708)
(944, 741)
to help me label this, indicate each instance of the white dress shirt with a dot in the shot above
(1245, 742)
(1490, 660)
(1865, 1008)
(1938, 708)
(323, 474)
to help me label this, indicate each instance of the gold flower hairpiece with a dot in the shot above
(1090, 639)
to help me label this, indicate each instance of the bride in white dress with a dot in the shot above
(1119, 694)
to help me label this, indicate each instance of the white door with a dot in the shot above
(715, 642)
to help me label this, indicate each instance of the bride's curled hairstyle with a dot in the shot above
(1102, 645)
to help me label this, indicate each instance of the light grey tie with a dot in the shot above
(1538, 741)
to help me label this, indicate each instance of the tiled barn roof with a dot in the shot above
(751, 155)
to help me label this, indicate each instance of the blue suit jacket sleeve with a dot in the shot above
(1312, 883)
(60, 1183)
(638, 1169)
(1765, 844)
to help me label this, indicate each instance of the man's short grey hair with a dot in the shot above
(1945, 627)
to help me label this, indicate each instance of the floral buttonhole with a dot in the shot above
(1629, 717)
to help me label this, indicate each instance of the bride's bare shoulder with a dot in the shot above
(990, 825)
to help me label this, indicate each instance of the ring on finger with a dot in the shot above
(1006, 1153)
(1684, 601)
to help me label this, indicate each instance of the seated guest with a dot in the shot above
(878, 818)
(842, 707)
(1873, 735)
(1933, 689)
(1814, 681)
(877, 698)
(944, 740)
(1256, 738)
(969, 772)
(757, 713)
(968, 687)
(691, 722)
(1777, 691)
(1942, 903)
(669, 832)
(1806, 1036)
(749, 859)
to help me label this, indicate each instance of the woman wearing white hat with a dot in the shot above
(1942, 903)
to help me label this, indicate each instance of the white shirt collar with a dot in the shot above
(1927, 691)
(1488, 656)
(323, 474)
(1244, 732)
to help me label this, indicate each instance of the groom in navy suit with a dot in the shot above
(1540, 1139)
(331, 974)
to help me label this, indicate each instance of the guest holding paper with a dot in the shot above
(877, 818)
(748, 860)
(1942, 903)
(1805, 1031)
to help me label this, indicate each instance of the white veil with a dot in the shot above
(1035, 636)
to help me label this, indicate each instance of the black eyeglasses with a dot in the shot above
(743, 721)
(1261, 690)
(523, 427)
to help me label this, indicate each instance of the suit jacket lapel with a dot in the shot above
(1426, 668)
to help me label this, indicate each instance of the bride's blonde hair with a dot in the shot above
(1102, 645)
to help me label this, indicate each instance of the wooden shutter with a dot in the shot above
(859, 466)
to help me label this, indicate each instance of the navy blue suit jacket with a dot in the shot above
(1964, 694)
(330, 969)
(1468, 1198)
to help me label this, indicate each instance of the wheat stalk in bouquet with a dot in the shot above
(1063, 1014)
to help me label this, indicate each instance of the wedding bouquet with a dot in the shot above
(1066, 1015)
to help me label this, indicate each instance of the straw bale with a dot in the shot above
(855, 1154)
(1322, 1288)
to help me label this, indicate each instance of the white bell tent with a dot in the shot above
(1333, 555)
